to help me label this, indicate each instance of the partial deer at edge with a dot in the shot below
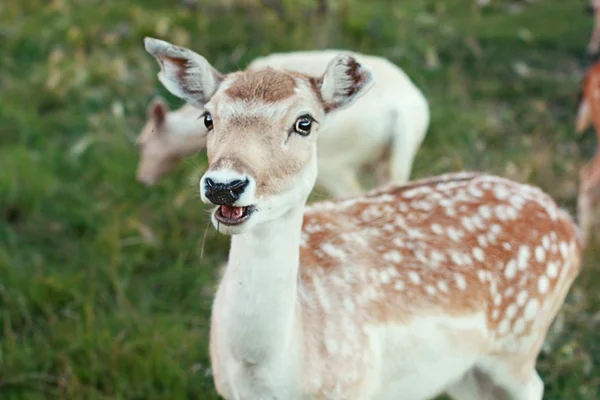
(588, 114)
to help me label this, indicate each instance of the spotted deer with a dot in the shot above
(394, 112)
(443, 285)
(589, 175)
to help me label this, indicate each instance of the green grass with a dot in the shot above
(106, 286)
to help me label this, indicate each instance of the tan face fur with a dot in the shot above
(254, 116)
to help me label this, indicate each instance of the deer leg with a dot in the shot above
(511, 379)
(584, 216)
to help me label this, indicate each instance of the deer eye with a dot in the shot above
(303, 125)
(208, 122)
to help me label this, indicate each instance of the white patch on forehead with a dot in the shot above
(236, 108)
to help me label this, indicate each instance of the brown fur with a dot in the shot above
(266, 85)
(589, 175)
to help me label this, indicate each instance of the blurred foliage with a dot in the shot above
(105, 286)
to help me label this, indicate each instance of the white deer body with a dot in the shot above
(445, 285)
(394, 113)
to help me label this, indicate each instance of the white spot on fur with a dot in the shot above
(485, 212)
(552, 269)
(522, 298)
(478, 254)
(543, 284)
(495, 314)
(481, 275)
(466, 222)
(519, 326)
(333, 251)
(399, 286)
(475, 191)
(454, 234)
(437, 256)
(564, 249)
(430, 290)
(500, 192)
(497, 300)
(540, 254)
(414, 277)
(501, 213)
(461, 283)
(509, 292)
(393, 256)
(517, 201)
(478, 222)
(437, 229)
(457, 258)
(511, 269)
(482, 241)
(511, 311)
(442, 286)
(546, 242)
(384, 277)
(531, 310)
(524, 254)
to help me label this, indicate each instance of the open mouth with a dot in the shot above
(230, 215)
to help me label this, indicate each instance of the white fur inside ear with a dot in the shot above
(345, 81)
(184, 73)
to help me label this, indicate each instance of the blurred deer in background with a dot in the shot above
(444, 285)
(393, 114)
(593, 8)
(589, 176)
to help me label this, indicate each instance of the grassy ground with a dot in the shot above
(105, 286)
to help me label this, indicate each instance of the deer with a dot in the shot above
(395, 113)
(588, 113)
(446, 284)
(593, 8)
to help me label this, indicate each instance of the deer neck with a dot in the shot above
(260, 307)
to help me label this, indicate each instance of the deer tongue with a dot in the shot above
(232, 212)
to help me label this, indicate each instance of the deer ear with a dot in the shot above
(184, 73)
(157, 110)
(345, 80)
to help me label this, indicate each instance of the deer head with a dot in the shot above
(263, 127)
(167, 138)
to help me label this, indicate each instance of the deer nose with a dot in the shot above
(224, 194)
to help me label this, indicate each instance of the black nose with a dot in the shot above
(590, 9)
(224, 194)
